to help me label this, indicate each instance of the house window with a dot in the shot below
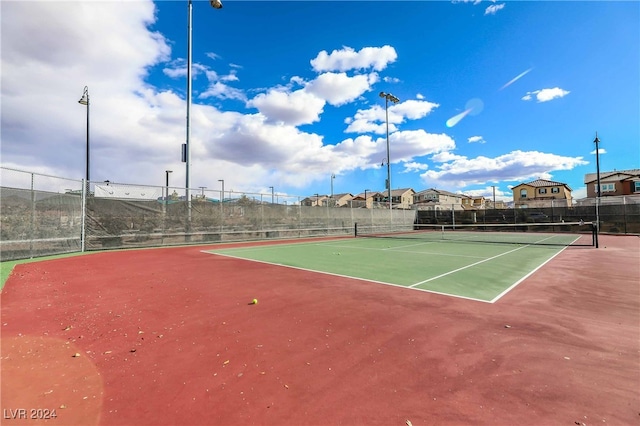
(606, 187)
(523, 193)
(555, 190)
(636, 187)
(542, 190)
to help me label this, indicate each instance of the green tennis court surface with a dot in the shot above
(479, 271)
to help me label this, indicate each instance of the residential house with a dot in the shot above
(623, 182)
(402, 198)
(437, 199)
(315, 200)
(473, 202)
(340, 200)
(541, 193)
(367, 199)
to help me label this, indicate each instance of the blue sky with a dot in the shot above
(285, 94)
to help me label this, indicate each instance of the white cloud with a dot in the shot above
(338, 88)
(376, 58)
(476, 139)
(413, 166)
(296, 108)
(222, 91)
(407, 145)
(69, 47)
(488, 192)
(579, 193)
(600, 151)
(373, 120)
(466, 1)
(460, 171)
(491, 10)
(370, 120)
(545, 95)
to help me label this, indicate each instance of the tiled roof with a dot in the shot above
(591, 177)
(439, 191)
(543, 182)
(396, 192)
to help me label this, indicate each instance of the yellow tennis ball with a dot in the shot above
(254, 301)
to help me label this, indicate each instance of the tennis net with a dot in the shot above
(564, 234)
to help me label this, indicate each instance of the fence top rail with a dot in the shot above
(39, 174)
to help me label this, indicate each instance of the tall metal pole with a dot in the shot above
(166, 200)
(388, 97)
(222, 191)
(597, 141)
(187, 154)
(386, 108)
(332, 178)
(271, 194)
(84, 100)
(216, 4)
(221, 205)
(494, 196)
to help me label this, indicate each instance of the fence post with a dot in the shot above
(83, 232)
(33, 218)
(624, 212)
(453, 216)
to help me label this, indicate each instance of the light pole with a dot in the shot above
(388, 97)
(84, 100)
(365, 199)
(494, 196)
(597, 141)
(221, 204)
(333, 176)
(167, 172)
(186, 151)
(222, 190)
(271, 194)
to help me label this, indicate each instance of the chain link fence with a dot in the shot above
(41, 214)
(44, 215)
(616, 215)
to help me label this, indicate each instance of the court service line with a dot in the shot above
(411, 245)
(431, 253)
(468, 266)
(347, 276)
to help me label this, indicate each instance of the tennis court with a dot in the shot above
(474, 262)
(175, 327)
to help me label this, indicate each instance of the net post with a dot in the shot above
(594, 231)
(355, 229)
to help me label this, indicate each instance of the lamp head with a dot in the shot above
(216, 4)
(382, 94)
(84, 100)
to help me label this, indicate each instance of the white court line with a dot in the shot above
(473, 264)
(413, 286)
(350, 277)
(273, 246)
(431, 253)
(512, 286)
